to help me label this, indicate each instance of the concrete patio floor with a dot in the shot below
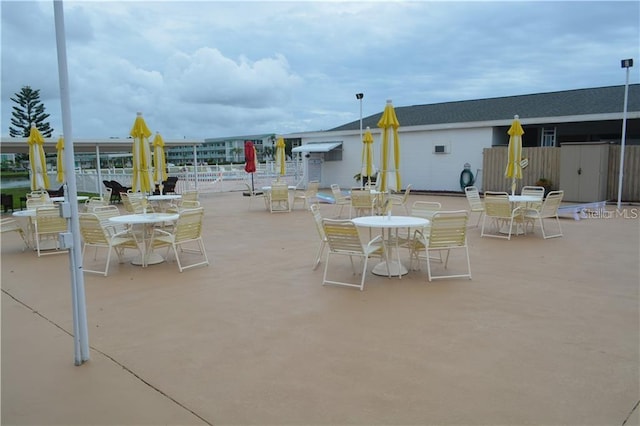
(546, 332)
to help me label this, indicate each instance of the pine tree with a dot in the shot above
(28, 111)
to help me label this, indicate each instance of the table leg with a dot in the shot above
(392, 266)
(147, 255)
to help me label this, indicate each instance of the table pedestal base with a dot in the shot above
(396, 269)
(152, 259)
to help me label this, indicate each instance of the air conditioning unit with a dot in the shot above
(440, 149)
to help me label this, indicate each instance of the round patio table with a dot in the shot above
(394, 267)
(146, 221)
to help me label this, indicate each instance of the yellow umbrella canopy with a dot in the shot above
(390, 164)
(39, 178)
(159, 162)
(280, 157)
(514, 169)
(367, 155)
(60, 159)
(142, 176)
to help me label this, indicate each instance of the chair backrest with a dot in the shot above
(496, 204)
(132, 201)
(536, 191)
(551, 203)
(94, 202)
(361, 198)
(473, 198)
(279, 191)
(407, 190)
(317, 217)
(38, 201)
(107, 194)
(448, 229)
(189, 224)
(342, 236)
(105, 212)
(48, 220)
(91, 229)
(312, 188)
(425, 209)
(337, 192)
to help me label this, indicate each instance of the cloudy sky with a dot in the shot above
(212, 69)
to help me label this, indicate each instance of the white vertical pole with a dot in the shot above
(99, 184)
(80, 332)
(624, 137)
(195, 165)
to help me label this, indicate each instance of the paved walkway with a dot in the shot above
(546, 333)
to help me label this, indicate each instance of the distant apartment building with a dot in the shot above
(223, 150)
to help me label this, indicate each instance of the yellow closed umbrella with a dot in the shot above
(142, 176)
(367, 155)
(390, 164)
(280, 157)
(159, 162)
(38, 165)
(514, 169)
(60, 159)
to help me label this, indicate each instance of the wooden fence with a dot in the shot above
(545, 162)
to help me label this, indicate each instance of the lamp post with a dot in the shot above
(359, 97)
(625, 63)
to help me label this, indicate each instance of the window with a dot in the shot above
(548, 137)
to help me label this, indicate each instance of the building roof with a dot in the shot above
(580, 102)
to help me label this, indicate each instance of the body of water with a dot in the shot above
(15, 182)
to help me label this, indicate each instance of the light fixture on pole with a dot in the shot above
(359, 97)
(625, 63)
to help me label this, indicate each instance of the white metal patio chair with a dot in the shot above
(279, 197)
(362, 202)
(252, 194)
(343, 239)
(401, 200)
(307, 196)
(498, 209)
(339, 200)
(548, 210)
(317, 217)
(95, 234)
(48, 224)
(476, 205)
(448, 231)
(187, 232)
(11, 225)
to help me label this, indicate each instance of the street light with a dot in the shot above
(359, 97)
(625, 63)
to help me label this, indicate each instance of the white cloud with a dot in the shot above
(211, 69)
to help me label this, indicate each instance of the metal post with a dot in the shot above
(625, 63)
(80, 332)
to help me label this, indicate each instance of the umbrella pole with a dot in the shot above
(252, 188)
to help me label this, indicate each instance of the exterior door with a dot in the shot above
(583, 172)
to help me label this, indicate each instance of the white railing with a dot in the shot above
(212, 178)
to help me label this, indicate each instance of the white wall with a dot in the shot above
(418, 163)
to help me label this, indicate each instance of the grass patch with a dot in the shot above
(22, 192)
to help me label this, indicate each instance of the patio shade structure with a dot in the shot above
(60, 159)
(159, 161)
(250, 160)
(280, 157)
(142, 176)
(514, 169)
(390, 164)
(367, 156)
(37, 163)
